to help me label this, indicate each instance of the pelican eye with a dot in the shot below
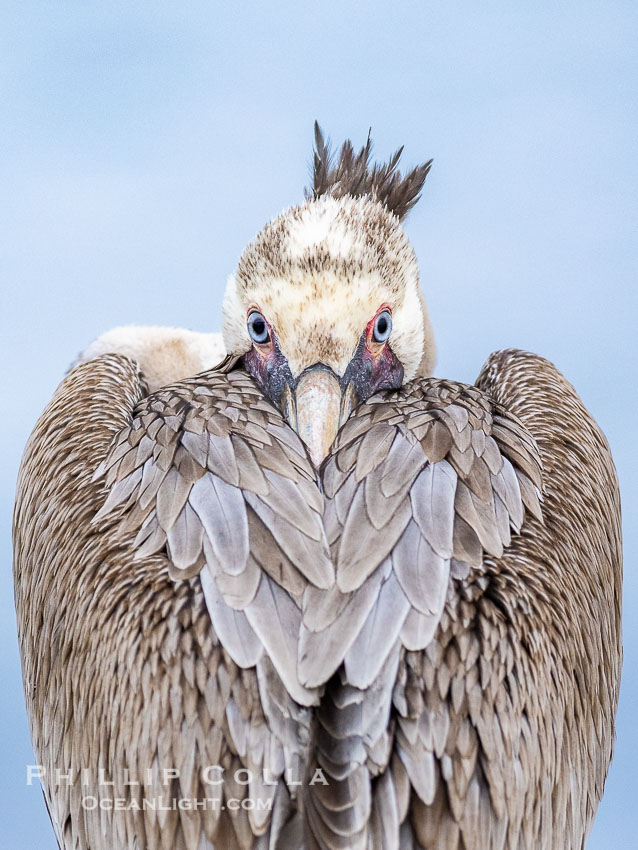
(258, 327)
(382, 326)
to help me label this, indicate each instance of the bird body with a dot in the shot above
(341, 602)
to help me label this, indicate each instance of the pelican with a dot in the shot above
(281, 588)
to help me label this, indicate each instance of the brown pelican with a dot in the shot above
(313, 597)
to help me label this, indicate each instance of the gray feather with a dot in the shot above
(378, 635)
(432, 498)
(422, 574)
(222, 511)
(232, 627)
(276, 620)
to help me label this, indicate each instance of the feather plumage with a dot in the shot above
(430, 619)
(408, 654)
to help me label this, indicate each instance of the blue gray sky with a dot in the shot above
(143, 144)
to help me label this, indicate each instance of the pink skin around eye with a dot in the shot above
(385, 370)
(375, 365)
(267, 365)
(375, 347)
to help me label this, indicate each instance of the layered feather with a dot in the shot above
(341, 570)
(422, 659)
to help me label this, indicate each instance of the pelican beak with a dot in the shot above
(317, 407)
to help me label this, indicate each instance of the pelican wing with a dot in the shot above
(127, 677)
(208, 478)
(420, 483)
(496, 716)
(422, 486)
(209, 472)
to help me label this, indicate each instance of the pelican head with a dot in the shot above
(325, 306)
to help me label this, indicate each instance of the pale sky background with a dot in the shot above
(143, 144)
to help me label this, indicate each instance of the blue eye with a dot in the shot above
(258, 328)
(382, 326)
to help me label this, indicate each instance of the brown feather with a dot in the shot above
(480, 695)
(352, 174)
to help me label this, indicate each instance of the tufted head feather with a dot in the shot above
(352, 174)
